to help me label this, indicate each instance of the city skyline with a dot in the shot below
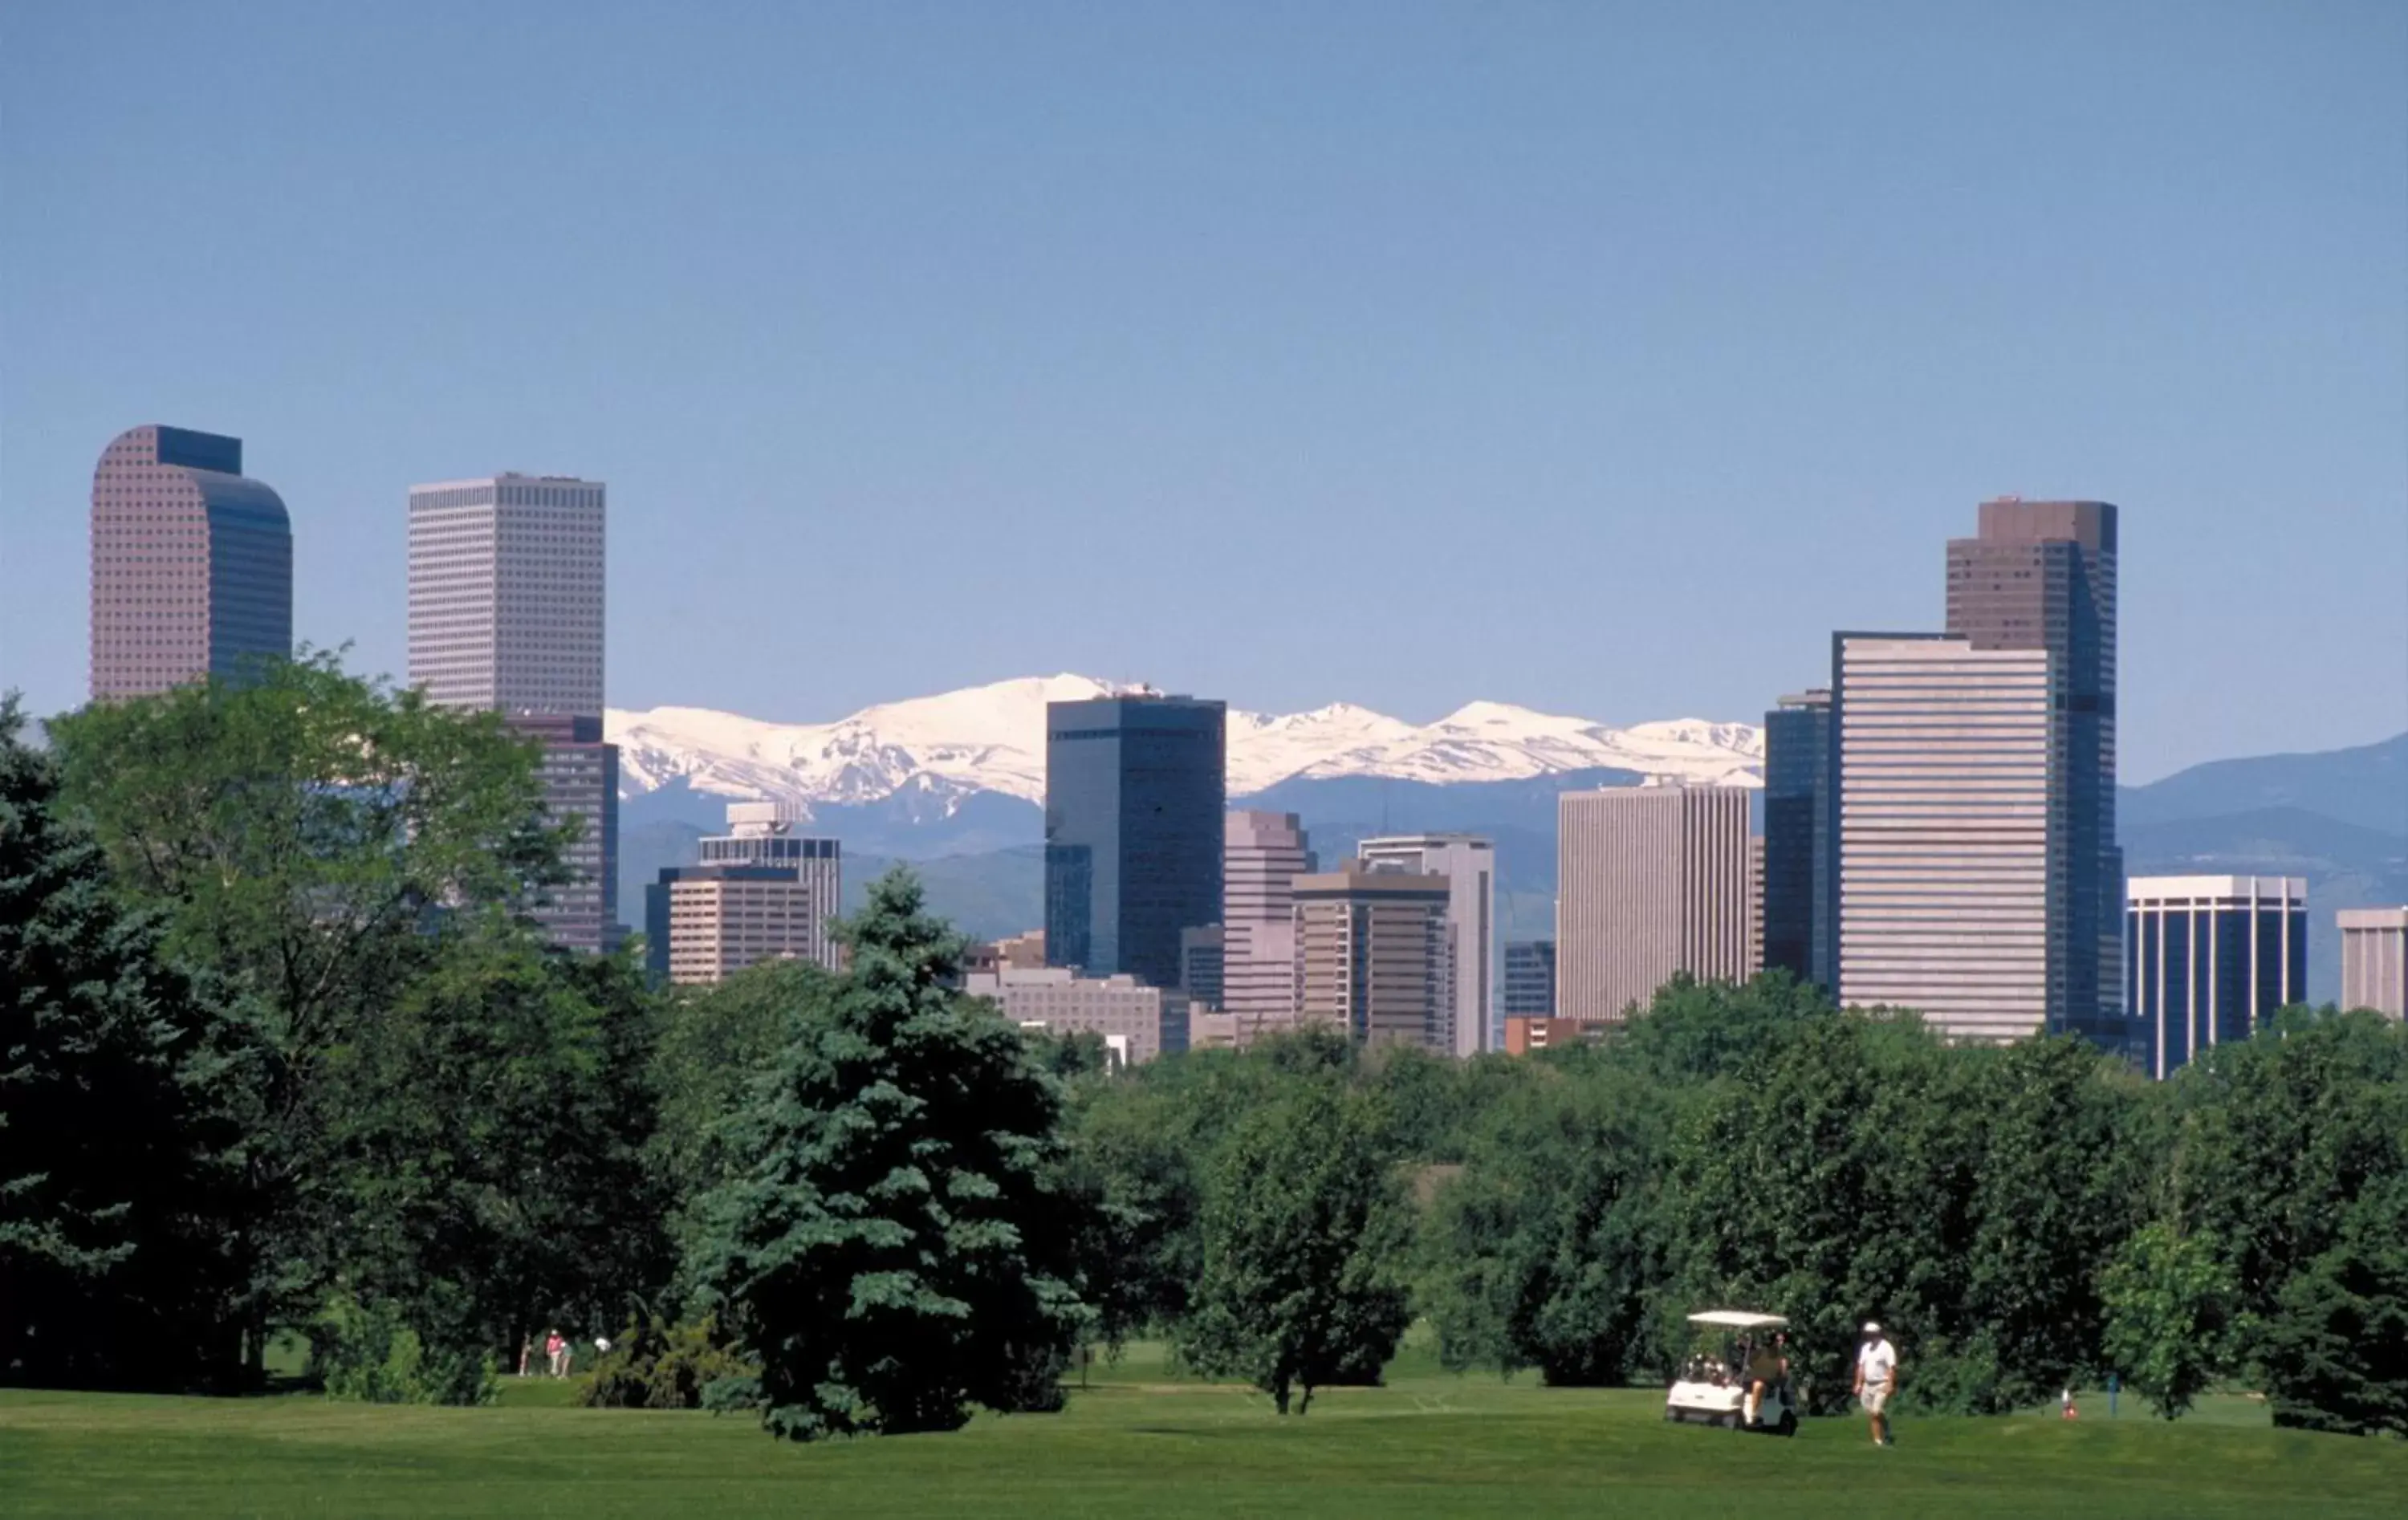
(1231, 342)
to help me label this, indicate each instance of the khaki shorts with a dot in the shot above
(1874, 1398)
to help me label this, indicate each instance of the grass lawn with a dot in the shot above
(1143, 1441)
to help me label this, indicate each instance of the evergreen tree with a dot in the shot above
(111, 1160)
(1305, 1234)
(2335, 1350)
(892, 1248)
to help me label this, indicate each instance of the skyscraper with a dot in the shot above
(1951, 858)
(1262, 855)
(1469, 863)
(1650, 881)
(2211, 958)
(1374, 954)
(1134, 792)
(506, 614)
(191, 562)
(777, 892)
(1799, 918)
(505, 594)
(2040, 575)
(2374, 959)
(581, 782)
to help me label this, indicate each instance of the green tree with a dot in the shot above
(894, 1247)
(2334, 1350)
(1304, 1235)
(300, 831)
(1828, 1181)
(1131, 1161)
(486, 1144)
(1546, 1248)
(111, 1162)
(2169, 1316)
(2061, 1182)
(715, 1042)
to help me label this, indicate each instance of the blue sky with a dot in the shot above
(1597, 357)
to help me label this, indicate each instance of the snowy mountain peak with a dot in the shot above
(992, 738)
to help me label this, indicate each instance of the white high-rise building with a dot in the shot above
(1469, 863)
(1953, 850)
(505, 594)
(1262, 855)
(1650, 881)
(2374, 959)
(506, 615)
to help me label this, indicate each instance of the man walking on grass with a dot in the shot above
(1876, 1380)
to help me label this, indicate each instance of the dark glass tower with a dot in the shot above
(1134, 794)
(1801, 915)
(2041, 575)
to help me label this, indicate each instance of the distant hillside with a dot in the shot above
(2367, 786)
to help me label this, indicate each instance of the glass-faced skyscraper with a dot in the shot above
(1801, 913)
(191, 562)
(2040, 575)
(1134, 792)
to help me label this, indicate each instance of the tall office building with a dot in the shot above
(2374, 959)
(191, 562)
(2040, 575)
(505, 594)
(1650, 881)
(2210, 958)
(580, 774)
(1262, 855)
(714, 921)
(1469, 863)
(1950, 848)
(764, 834)
(1134, 791)
(778, 895)
(1801, 920)
(1530, 979)
(1374, 954)
(506, 614)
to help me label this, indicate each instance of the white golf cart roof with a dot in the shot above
(1738, 1319)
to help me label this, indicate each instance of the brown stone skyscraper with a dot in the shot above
(192, 563)
(2040, 575)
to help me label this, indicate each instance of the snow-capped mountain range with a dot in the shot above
(992, 738)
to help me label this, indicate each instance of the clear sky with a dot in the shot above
(1597, 357)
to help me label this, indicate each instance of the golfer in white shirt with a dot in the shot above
(1876, 1378)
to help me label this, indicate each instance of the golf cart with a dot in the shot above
(1711, 1388)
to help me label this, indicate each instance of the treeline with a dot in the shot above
(2022, 1219)
(281, 1050)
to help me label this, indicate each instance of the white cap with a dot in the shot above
(1870, 1328)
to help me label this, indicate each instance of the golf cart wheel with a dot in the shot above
(1788, 1425)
